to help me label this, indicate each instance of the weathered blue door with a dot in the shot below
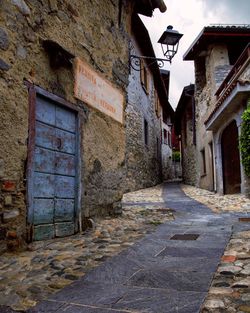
(53, 186)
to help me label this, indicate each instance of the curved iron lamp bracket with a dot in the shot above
(135, 61)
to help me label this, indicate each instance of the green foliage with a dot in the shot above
(176, 156)
(245, 141)
(155, 222)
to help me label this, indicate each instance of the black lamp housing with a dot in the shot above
(170, 39)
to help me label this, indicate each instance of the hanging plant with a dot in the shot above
(245, 141)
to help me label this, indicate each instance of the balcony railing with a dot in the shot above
(235, 71)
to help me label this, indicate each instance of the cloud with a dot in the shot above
(233, 11)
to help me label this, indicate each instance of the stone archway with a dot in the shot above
(231, 159)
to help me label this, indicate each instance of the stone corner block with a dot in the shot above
(9, 215)
(4, 39)
(4, 66)
(22, 7)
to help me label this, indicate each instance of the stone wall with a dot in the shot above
(92, 31)
(142, 160)
(188, 149)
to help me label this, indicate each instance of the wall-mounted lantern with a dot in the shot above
(169, 42)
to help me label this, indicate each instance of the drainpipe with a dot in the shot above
(194, 124)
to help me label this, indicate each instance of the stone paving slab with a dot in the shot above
(238, 227)
(211, 253)
(204, 242)
(116, 298)
(181, 264)
(116, 270)
(99, 294)
(160, 277)
(140, 300)
(59, 307)
(148, 300)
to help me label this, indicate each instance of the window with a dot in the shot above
(144, 76)
(120, 13)
(234, 51)
(169, 140)
(157, 105)
(165, 137)
(145, 132)
(184, 130)
(203, 163)
(158, 154)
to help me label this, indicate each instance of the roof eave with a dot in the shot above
(186, 56)
(146, 7)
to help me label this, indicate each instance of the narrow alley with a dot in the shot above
(171, 268)
(124, 156)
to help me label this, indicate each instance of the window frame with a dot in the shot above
(203, 162)
(157, 104)
(165, 136)
(146, 132)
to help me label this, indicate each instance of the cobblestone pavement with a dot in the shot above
(218, 203)
(30, 276)
(230, 289)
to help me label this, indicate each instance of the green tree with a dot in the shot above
(176, 156)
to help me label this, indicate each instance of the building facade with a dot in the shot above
(170, 168)
(147, 100)
(215, 52)
(185, 128)
(64, 77)
(233, 97)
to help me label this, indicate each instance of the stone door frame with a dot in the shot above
(219, 184)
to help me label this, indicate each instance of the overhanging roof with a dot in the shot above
(187, 94)
(146, 7)
(233, 35)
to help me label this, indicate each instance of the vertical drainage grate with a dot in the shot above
(185, 237)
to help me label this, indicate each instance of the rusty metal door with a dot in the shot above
(231, 159)
(53, 185)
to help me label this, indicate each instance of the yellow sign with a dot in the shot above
(97, 92)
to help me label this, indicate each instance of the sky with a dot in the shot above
(189, 17)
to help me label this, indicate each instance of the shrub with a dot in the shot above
(245, 141)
